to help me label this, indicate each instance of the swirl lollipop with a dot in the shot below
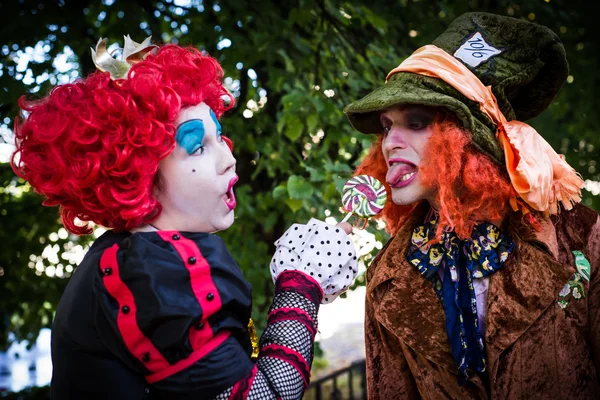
(363, 196)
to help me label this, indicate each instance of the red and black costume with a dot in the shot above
(165, 314)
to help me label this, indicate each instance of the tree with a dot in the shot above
(292, 65)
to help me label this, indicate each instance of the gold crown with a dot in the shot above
(132, 53)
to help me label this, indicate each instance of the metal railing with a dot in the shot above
(347, 383)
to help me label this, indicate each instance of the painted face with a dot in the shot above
(197, 177)
(406, 130)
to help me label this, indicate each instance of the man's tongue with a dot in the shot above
(397, 171)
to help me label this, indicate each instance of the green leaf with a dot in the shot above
(280, 192)
(289, 64)
(299, 188)
(294, 205)
(292, 102)
(318, 103)
(338, 167)
(366, 143)
(316, 175)
(281, 124)
(339, 183)
(294, 129)
(311, 122)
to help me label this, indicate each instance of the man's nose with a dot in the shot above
(395, 139)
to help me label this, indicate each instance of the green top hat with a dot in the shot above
(524, 63)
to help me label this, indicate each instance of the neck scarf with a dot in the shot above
(462, 261)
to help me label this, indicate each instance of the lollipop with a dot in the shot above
(363, 196)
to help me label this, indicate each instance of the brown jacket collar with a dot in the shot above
(405, 304)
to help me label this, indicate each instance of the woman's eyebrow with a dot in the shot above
(185, 122)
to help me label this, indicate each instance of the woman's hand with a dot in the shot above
(323, 252)
(346, 227)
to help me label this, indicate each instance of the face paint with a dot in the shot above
(216, 121)
(190, 135)
(197, 177)
(406, 132)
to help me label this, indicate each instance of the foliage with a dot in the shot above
(292, 65)
(32, 393)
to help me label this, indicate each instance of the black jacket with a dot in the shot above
(149, 313)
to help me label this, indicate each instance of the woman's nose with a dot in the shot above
(226, 160)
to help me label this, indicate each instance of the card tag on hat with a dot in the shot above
(476, 51)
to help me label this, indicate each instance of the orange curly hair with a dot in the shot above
(471, 188)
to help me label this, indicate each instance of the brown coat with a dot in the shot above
(535, 348)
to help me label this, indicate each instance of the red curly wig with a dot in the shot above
(470, 187)
(93, 147)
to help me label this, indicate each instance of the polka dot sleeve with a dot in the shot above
(323, 251)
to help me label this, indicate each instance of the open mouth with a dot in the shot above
(229, 196)
(400, 172)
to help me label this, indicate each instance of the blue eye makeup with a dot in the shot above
(216, 121)
(190, 135)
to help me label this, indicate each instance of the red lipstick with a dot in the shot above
(229, 197)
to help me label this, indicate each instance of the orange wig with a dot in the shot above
(471, 188)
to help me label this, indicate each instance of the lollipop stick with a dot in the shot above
(347, 217)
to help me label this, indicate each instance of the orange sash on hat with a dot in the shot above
(541, 177)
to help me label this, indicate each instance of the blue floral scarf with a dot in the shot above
(462, 261)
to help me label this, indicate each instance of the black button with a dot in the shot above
(125, 309)
(199, 326)
(126, 243)
(210, 297)
(146, 357)
(175, 237)
(192, 260)
(107, 271)
(147, 390)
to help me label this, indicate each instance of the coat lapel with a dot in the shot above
(406, 305)
(524, 288)
(404, 301)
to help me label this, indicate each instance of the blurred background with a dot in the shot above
(292, 65)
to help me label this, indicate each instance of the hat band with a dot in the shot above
(541, 177)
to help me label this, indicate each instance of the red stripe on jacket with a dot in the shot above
(139, 345)
(202, 285)
(209, 346)
(202, 340)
